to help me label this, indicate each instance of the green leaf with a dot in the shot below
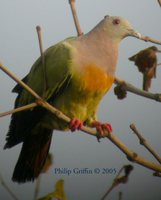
(47, 197)
(58, 193)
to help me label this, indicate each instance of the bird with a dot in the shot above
(79, 72)
(146, 61)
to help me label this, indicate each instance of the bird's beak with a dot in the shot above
(135, 34)
(158, 51)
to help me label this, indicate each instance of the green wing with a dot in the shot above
(58, 73)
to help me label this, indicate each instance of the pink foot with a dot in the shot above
(75, 124)
(102, 128)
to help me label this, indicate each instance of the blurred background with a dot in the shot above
(18, 51)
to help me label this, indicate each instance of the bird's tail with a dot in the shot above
(33, 155)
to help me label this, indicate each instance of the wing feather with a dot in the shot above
(58, 73)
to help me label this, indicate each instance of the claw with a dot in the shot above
(75, 124)
(102, 128)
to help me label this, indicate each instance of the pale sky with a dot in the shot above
(19, 49)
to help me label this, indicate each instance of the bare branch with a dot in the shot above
(7, 188)
(129, 87)
(126, 85)
(148, 39)
(119, 179)
(75, 17)
(144, 142)
(79, 31)
(37, 187)
(43, 103)
(108, 192)
(120, 195)
(132, 156)
(60, 115)
(157, 174)
(159, 1)
(26, 107)
(39, 33)
(12, 76)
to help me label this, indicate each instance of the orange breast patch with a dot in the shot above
(96, 79)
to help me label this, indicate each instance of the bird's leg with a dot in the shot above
(75, 124)
(102, 128)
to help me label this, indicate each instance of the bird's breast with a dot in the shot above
(93, 78)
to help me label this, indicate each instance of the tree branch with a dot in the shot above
(75, 17)
(22, 108)
(144, 142)
(119, 179)
(42, 102)
(132, 156)
(159, 1)
(148, 39)
(129, 87)
(108, 191)
(37, 187)
(79, 30)
(120, 195)
(39, 33)
(7, 188)
(12, 76)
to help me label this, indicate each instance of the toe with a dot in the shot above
(75, 124)
(108, 127)
(102, 128)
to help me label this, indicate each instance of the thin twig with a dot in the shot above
(148, 39)
(42, 102)
(120, 195)
(79, 31)
(37, 188)
(75, 17)
(12, 76)
(26, 107)
(119, 179)
(7, 188)
(159, 1)
(39, 33)
(108, 191)
(132, 156)
(129, 87)
(157, 174)
(144, 142)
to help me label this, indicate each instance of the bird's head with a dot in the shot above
(119, 28)
(155, 49)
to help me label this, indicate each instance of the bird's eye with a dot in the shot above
(116, 21)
